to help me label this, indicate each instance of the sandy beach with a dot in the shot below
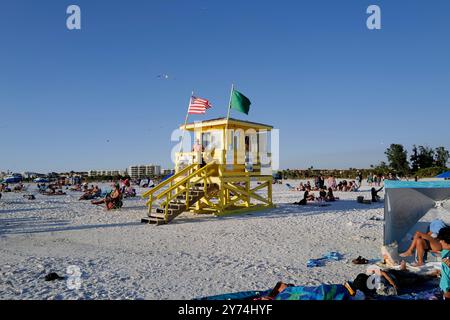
(194, 256)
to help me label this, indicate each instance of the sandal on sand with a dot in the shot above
(360, 260)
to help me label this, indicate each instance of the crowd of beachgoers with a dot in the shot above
(108, 242)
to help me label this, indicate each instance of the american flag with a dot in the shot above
(198, 105)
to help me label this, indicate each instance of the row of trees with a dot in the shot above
(423, 161)
(350, 173)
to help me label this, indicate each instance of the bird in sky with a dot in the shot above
(163, 76)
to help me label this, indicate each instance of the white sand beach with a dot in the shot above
(194, 256)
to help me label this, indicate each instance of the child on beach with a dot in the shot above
(444, 239)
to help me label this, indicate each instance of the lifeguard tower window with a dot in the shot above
(247, 144)
(206, 140)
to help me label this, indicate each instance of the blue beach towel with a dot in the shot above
(322, 292)
(336, 256)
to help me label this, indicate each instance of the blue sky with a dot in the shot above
(338, 92)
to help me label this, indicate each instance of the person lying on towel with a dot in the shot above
(283, 291)
(391, 282)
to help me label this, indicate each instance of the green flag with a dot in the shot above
(240, 102)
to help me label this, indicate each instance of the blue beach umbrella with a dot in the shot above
(445, 175)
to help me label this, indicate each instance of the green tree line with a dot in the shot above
(424, 161)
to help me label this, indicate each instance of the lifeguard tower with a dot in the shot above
(232, 174)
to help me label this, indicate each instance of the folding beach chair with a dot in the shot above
(290, 187)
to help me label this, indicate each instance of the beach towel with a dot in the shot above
(336, 256)
(322, 292)
(244, 295)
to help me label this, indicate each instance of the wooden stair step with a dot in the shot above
(158, 215)
(153, 221)
(177, 206)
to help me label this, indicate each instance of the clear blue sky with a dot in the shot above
(338, 92)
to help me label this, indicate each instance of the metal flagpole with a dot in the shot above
(186, 120)
(228, 117)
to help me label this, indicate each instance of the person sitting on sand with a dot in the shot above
(301, 187)
(127, 190)
(92, 194)
(322, 195)
(308, 186)
(19, 188)
(391, 282)
(374, 194)
(330, 196)
(52, 190)
(306, 197)
(112, 200)
(5, 188)
(76, 187)
(423, 242)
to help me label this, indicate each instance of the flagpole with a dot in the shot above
(228, 116)
(186, 120)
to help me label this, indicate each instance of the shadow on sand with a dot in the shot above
(41, 225)
(288, 209)
(27, 210)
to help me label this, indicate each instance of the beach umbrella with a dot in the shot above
(445, 175)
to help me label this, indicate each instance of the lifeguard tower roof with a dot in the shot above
(223, 121)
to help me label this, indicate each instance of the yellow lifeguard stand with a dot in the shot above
(232, 174)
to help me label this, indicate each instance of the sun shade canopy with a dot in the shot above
(410, 206)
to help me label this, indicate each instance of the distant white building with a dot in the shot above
(102, 173)
(143, 171)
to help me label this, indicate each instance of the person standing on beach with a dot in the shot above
(370, 179)
(359, 179)
(321, 182)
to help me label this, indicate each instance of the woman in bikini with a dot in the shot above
(112, 200)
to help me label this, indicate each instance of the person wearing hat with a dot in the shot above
(423, 242)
